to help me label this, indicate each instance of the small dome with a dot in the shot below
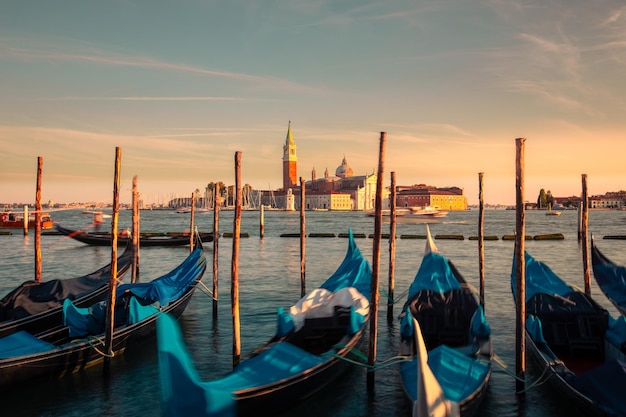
(344, 170)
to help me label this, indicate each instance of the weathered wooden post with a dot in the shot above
(216, 236)
(580, 221)
(371, 359)
(110, 317)
(234, 289)
(520, 269)
(585, 236)
(302, 239)
(37, 221)
(392, 249)
(481, 238)
(136, 232)
(25, 222)
(191, 225)
(261, 221)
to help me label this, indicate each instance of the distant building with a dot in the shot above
(610, 200)
(421, 195)
(343, 191)
(568, 202)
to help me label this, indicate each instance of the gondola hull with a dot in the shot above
(575, 341)
(81, 354)
(56, 353)
(306, 354)
(446, 339)
(53, 316)
(288, 392)
(144, 241)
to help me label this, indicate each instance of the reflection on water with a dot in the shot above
(269, 273)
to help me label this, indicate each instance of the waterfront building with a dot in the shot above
(612, 199)
(421, 195)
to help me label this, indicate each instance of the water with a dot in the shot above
(269, 274)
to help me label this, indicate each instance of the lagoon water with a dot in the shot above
(269, 274)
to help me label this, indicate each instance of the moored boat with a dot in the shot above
(305, 355)
(578, 344)
(12, 220)
(37, 306)
(79, 342)
(447, 340)
(104, 239)
(611, 278)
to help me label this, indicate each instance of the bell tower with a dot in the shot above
(290, 160)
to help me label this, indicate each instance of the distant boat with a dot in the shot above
(427, 212)
(551, 212)
(12, 220)
(186, 210)
(387, 212)
(104, 239)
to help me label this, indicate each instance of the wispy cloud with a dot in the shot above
(93, 55)
(86, 98)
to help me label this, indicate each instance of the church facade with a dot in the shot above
(342, 191)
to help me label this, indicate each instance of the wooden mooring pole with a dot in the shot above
(136, 232)
(234, 288)
(110, 317)
(481, 238)
(371, 359)
(520, 269)
(392, 249)
(25, 222)
(261, 221)
(191, 221)
(585, 236)
(216, 237)
(38, 221)
(302, 239)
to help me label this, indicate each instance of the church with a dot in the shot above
(342, 191)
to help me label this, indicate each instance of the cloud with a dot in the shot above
(51, 52)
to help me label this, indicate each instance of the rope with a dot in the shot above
(89, 341)
(534, 384)
(370, 368)
(206, 290)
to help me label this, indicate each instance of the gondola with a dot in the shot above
(611, 278)
(79, 342)
(575, 341)
(445, 339)
(35, 307)
(305, 355)
(105, 238)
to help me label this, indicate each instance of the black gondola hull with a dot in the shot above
(144, 241)
(83, 353)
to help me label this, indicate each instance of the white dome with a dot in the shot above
(344, 170)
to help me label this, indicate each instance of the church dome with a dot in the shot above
(344, 170)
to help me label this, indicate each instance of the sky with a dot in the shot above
(181, 86)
